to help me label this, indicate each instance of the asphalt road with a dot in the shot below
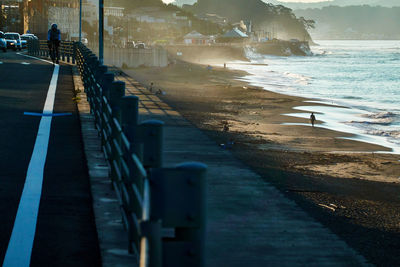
(65, 231)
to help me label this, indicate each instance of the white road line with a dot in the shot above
(21, 54)
(21, 242)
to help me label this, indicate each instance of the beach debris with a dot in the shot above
(225, 126)
(333, 205)
(327, 207)
(160, 92)
(245, 87)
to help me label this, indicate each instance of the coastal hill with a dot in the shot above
(279, 20)
(354, 22)
(301, 5)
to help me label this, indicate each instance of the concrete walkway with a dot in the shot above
(250, 223)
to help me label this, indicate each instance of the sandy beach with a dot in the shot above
(342, 183)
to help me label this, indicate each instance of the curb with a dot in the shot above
(113, 240)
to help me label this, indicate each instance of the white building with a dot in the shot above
(197, 38)
(114, 11)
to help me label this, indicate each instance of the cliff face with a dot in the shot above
(264, 16)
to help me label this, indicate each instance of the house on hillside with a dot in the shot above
(234, 35)
(195, 37)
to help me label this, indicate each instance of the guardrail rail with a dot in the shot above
(39, 48)
(163, 209)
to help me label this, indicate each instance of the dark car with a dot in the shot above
(13, 40)
(130, 44)
(3, 43)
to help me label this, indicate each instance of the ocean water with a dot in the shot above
(361, 78)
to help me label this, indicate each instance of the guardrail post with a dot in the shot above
(74, 52)
(151, 133)
(62, 48)
(116, 93)
(106, 83)
(169, 187)
(130, 120)
(130, 115)
(97, 95)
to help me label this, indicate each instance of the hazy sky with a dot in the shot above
(304, 1)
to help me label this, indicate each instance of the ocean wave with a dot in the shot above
(382, 122)
(251, 53)
(301, 79)
(380, 115)
(352, 97)
(392, 134)
(322, 53)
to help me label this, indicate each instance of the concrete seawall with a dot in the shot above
(207, 54)
(133, 58)
(221, 53)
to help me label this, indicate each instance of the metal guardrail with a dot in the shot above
(39, 48)
(153, 200)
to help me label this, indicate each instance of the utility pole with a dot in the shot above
(101, 31)
(80, 20)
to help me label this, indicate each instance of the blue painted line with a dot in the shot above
(47, 114)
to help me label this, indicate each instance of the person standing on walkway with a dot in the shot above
(53, 42)
(312, 119)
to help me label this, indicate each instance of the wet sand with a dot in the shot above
(355, 194)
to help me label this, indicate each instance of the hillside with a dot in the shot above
(132, 4)
(265, 17)
(354, 22)
(299, 5)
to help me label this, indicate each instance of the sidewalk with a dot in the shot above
(250, 223)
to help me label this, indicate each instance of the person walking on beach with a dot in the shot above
(53, 42)
(312, 119)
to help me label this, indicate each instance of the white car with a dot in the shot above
(140, 45)
(13, 40)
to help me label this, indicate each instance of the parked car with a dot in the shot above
(3, 43)
(24, 40)
(130, 44)
(30, 35)
(13, 40)
(140, 45)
